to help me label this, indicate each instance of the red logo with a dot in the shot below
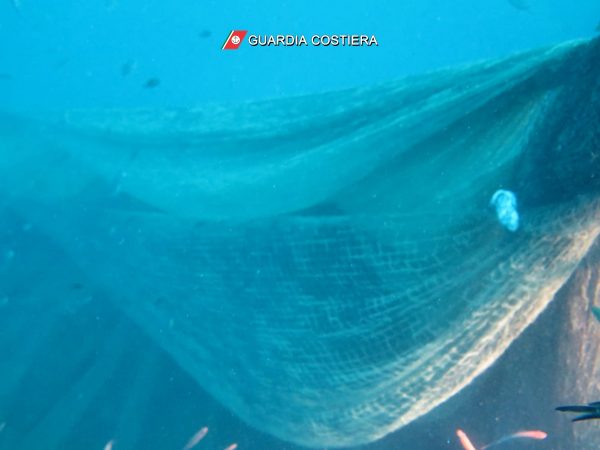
(234, 40)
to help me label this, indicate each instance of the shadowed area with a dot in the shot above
(327, 267)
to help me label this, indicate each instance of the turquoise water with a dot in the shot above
(298, 247)
(71, 54)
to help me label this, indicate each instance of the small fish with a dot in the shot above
(128, 67)
(464, 440)
(590, 411)
(531, 434)
(577, 408)
(232, 447)
(2, 426)
(109, 445)
(521, 5)
(196, 438)
(526, 434)
(151, 83)
(204, 34)
(583, 417)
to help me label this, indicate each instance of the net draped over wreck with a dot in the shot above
(328, 267)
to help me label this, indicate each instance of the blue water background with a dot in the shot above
(64, 54)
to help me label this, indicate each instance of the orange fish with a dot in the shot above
(196, 438)
(464, 440)
(531, 434)
(527, 434)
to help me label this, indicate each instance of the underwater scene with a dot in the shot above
(284, 225)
